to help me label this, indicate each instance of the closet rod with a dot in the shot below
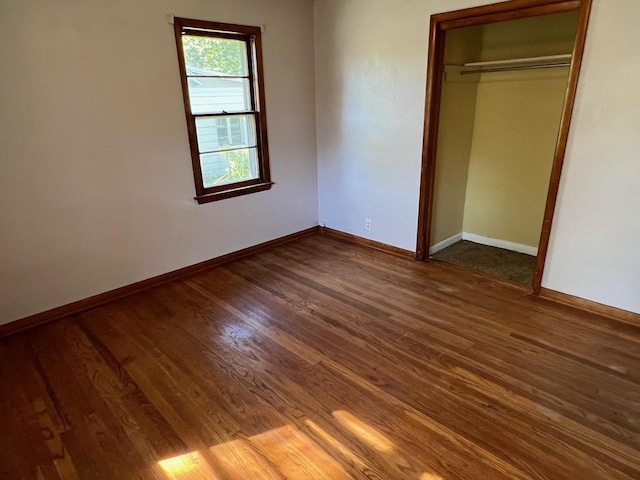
(564, 57)
(528, 63)
(515, 67)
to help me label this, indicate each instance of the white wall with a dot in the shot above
(96, 188)
(371, 65)
(371, 60)
(595, 243)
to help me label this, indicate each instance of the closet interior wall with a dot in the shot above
(498, 132)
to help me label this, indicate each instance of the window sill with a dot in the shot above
(234, 192)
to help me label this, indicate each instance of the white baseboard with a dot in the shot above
(445, 243)
(494, 242)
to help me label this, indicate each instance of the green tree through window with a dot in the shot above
(213, 54)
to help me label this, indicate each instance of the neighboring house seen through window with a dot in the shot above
(221, 71)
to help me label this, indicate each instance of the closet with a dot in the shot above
(501, 105)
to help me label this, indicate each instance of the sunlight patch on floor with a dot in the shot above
(297, 456)
(335, 444)
(430, 476)
(286, 452)
(366, 433)
(190, 466)
(240, 460)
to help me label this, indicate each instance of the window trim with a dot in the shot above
(252, 37)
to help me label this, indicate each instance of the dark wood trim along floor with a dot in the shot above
(588, 305)
(366, 242)
(321, 359)
(102, 298)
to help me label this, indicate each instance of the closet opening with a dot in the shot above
(501, 86)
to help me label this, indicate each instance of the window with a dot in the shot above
(222, 86)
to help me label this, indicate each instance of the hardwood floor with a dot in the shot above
(324, 360)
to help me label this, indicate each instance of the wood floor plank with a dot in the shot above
(321, 392)
(247, 371)
(434, 362)
(412, 290)
(511, 352)
(320, 359)
(97, 440)
(416, 382)
(19, 422)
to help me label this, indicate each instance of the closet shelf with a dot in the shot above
(529, 63)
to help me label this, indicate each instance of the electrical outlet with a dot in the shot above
(367, 224)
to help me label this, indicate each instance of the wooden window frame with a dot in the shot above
(253, 40)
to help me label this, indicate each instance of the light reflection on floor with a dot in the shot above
(239, 459)
(335, 444)
(285, 452)
(188, 466)
(430, 476)
(365, 432)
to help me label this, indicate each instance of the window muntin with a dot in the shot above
(221, 71)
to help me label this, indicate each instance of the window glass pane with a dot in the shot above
(217, 95)
(233, 166)
(214, 56)
(223, 133)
